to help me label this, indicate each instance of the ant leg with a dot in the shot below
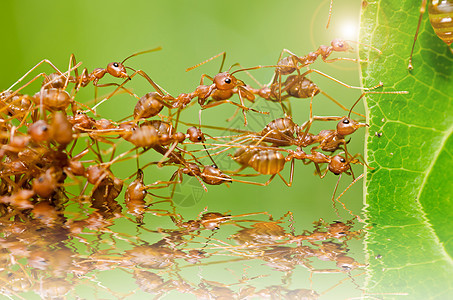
(319, 171)
(73, 62)
(24, 86)
(366, 45)
(153, 84)
(354, 160)
(33, 68)
(341, 195)
(215, 103)
(234, 115)
(205, 76)
(291, 173)
(170, 149)
(250, 75)
(365, 93)
(320, 118)
(252, 182)
(274, 79)
(156, 87)
(343, 58)
(333, 197)
(422, 11)
(330, 14)
(204, 146)
(243, 111)
(339, 104)
(79, 80)
(307, 125)
(208, 60)
(342, 83)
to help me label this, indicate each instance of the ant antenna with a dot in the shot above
(208, 60)
(361, 96)
(333, 197)
(142, 52)
(363, 44)
(330, 14)
(341, 195)
(204, 146)
(257, 67)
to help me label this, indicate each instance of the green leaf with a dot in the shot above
(409, 193)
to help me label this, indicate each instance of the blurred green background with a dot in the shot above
(251, 32)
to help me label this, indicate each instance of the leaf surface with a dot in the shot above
(409, 204)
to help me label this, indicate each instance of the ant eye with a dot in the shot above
(44, 128)
(345, 121)
(199, 138)
(340, 45)
(343, 160)
(227, 80)
(116, 65)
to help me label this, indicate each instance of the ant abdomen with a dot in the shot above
(267, 162)
(301, 87)
(280, 127)
(286, 66)
(135, 196)
(441, 18)
(148, 106)
(144, 136)
(54, 99)
(56, 81)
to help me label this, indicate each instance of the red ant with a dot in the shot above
(135, 196)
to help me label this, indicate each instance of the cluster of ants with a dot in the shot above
(40, 135)
(54, 261)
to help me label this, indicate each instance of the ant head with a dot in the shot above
(127, 129)
(117, 69)
(212, 220)
(225, 81)
(46, 183)
(346, 263)
(348, 126)
(340, 45)
(39, 131)
(338, 165)
(195, 135)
